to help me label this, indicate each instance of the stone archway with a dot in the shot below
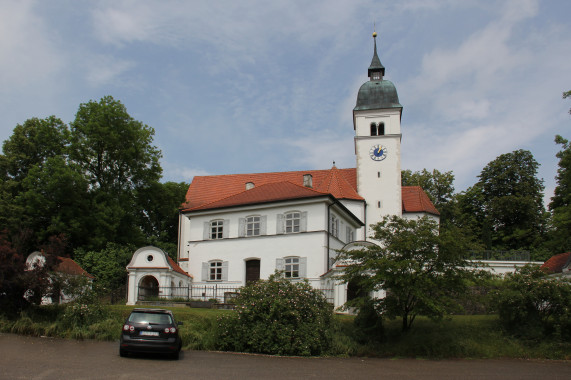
(148, 288)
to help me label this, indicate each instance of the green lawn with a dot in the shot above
(458, 337)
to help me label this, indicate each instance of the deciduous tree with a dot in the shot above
(423, 271)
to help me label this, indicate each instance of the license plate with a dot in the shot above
(149, 333)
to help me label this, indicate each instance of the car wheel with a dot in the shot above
(122, 353)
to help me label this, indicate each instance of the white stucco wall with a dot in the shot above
(311, 244)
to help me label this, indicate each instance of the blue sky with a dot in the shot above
(258, 86)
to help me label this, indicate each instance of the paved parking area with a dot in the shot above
(24, 357)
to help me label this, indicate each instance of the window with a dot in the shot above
(334, 228)
(217, 229)
(253, 226)
(292, 222)
(376, 75)
(215, 270)
(377, 129)
(350, 235)
(292, 267)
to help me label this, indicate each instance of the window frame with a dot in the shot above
(253, 223)
(292, 267)
(219, 233)
(290, 219)
(215, 270)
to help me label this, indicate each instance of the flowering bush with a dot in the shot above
(532, 304)
(278, 317)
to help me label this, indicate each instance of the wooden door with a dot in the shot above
(252, 270)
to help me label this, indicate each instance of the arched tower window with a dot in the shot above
(377, 129)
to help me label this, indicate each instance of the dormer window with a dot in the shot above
(249, 185)
(308, 180)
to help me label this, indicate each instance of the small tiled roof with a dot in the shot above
(208, 192)
(414, 199)
(176, 267)
(68, 266)
(556, 263)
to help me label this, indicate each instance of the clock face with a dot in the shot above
(378, 152)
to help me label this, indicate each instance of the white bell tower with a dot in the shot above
(376, 120)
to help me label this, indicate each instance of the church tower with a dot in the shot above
(376, 120)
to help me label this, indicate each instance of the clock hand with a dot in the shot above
(380, 150)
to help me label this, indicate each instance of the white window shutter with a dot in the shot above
(205, 271)
(303, 267)
(225, 271)
(280, 228)
(226, 229)
(206, 234)
(280, 264)
(263, 224)
(242, 227)
(303, 222)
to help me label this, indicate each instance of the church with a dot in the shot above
(237, 228)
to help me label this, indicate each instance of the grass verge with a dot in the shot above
(458, 337)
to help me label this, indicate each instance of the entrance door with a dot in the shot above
(252, 270)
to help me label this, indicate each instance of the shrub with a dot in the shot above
(533, 305)
(278, 317)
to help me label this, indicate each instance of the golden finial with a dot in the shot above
(374, 29)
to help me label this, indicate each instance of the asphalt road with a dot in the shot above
(47, 358)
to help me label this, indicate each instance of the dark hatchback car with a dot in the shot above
(150, 330)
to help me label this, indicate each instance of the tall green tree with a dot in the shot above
(560, 205)
(29, 149)
(114, 150)
(117, 156)
(423, 271)
(508, 202)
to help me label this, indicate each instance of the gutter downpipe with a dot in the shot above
(328, 234)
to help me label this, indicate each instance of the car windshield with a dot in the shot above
(151, 318)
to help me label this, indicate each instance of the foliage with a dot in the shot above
(107, 265)
(531, 304)
(567, 94)
(421, 269)
(505, 207)
(21, 286)
(560, 204)
(278, 317)
(437, 185)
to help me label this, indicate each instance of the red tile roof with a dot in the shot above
(208, 189)
(68, 266)
(270, 192)
(208, 192)
(556, 263)
(414, 199)
(175, 266)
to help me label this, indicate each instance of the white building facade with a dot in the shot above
(238, 228)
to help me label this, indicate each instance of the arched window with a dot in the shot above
(377, 129)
